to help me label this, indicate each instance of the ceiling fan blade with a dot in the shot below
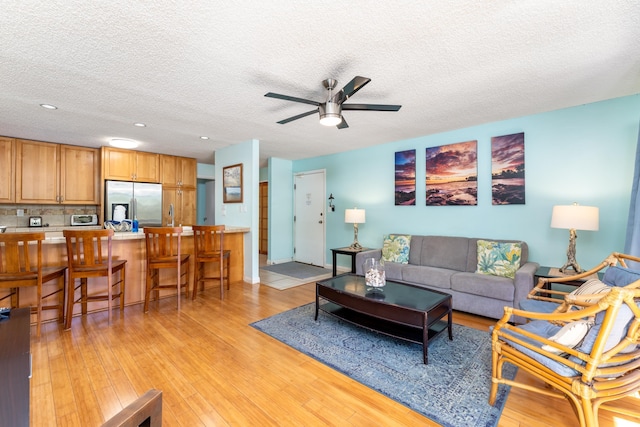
(350, 88)
(291, 98)
(343, 124)
(371, 107)
(299, 116)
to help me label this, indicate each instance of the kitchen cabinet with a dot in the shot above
(184, 205)
(79, 175)
(128, 165)
(7, 171)
(49, 173)
(178, 171)
(179, 188)
(37, 172)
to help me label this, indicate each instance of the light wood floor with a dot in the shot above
(214, 369)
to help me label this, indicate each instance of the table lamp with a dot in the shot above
(354, 216)
(574, 217)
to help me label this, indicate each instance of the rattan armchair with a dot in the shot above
(545, 298)
(598, 370)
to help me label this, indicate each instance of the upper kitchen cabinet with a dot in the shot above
(127, 165)
(54, 173)
(7, 171)
(37, 172)
(178, 171)
(78, 165)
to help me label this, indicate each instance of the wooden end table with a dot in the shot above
(346, 251)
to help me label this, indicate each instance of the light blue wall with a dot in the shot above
(205, 172)
(280, 213)
(241, 214)
(583, 154)
(264, 174)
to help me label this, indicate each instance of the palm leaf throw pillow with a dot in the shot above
(498, 259)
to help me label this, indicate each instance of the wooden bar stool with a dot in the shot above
(86, 259)
(164, 251)
(208, 241)
(18, 269)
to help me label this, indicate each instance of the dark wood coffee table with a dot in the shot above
(400, 310)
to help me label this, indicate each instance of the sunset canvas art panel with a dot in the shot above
(507, 169)
(452, 174)
(405, 165)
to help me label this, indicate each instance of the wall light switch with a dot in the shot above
(20, 212)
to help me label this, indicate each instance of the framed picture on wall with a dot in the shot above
(232, 184)
(405, 163)
(507, 169)
(452, 174)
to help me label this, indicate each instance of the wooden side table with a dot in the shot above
(346, 251)
(547, 273)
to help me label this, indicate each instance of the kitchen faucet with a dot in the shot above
(171, 215)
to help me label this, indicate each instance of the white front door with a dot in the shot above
(309, 217)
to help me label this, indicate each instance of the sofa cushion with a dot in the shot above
(620, 276)
(428, 276)
(395, 248)
(498, 259)
(499, 288)
(444, 252)
(393, 270)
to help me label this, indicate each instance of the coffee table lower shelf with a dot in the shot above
(393, 329)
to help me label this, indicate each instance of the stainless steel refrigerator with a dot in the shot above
(141, 201)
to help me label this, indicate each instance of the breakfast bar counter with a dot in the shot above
(131, 246)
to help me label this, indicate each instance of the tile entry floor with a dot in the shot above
(280, 281)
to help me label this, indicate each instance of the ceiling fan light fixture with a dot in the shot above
(330, 119)
(330, 114)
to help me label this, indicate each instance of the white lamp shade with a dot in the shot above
(354, 216)
(575, 217)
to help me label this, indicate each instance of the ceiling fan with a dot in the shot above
(331, 110)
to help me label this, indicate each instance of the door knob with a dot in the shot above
(320, 222)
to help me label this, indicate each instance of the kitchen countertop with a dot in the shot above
(54, 234)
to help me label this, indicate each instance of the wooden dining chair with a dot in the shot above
(208, 241)
(87, 259)
(164, 251)
(19, 268)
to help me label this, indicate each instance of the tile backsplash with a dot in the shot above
(52, 215)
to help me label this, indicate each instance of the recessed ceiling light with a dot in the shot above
(204, 137)
(123, 143)
(140, 125)
(49, 106)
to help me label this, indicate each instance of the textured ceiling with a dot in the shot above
(194, 68)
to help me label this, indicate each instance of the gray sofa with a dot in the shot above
(448, 264)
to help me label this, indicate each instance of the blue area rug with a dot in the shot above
(453, 389)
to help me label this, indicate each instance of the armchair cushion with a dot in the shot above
(538, 306)
(570, 335)
(590, 287)
(543, 329)
(620, 276)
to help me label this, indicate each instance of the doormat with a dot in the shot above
(297, 270)
(453, 389)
